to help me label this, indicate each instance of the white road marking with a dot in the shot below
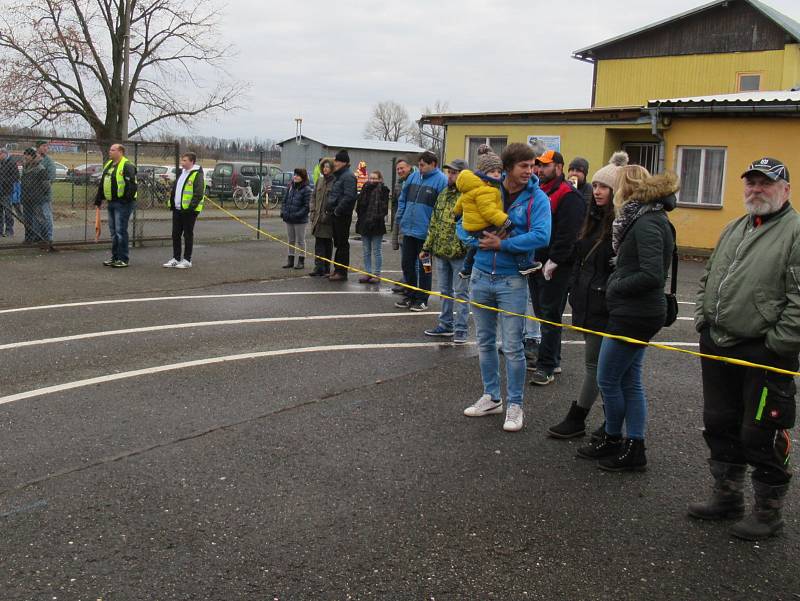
(174, 298)
(210, 361)
(203, 324)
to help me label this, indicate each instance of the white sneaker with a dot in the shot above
(514, 417)
(484, 406)
(184, 264)
(171, 263)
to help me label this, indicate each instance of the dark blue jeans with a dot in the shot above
(619, 377)
(413, 276)
(119, 213)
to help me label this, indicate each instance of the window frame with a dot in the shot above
(741, 74)
(469, 138)
(701, 183)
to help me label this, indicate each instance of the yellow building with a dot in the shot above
(710, 71)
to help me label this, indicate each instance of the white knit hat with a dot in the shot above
(608, 175)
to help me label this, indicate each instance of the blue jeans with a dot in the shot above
(372, 249)
(507, 292)
(619, 377)
(45, 219)
(452, 285)
(533, 329)
(119, 213)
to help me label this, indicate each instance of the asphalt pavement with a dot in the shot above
(240, 431)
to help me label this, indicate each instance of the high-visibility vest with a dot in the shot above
(188, 192)
(116, 173)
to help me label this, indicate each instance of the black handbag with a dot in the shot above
(672, 300)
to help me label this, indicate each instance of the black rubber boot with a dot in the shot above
(599, 432)
(301, 263)
(766, 520)
(631, 458)
(727, 498)
(605, 446)
(289, 262)
(571, 426)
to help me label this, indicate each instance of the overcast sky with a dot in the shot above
(330, 62)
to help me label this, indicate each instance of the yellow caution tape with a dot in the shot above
(663, 347)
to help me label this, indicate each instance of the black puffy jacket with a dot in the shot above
(593, 266)
(342, 197)
(296, 205)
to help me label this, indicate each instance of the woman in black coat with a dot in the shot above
(294, 213)
(643, 240)
(593, 266)
(372, 207)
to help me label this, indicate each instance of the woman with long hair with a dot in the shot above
(321, 226)
(372, 207)
(643, 242)
(593, 266)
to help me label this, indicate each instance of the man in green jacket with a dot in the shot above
(748, 308)
(443, 243)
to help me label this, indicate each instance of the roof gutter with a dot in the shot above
(726, 109)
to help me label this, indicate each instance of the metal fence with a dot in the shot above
(47, 194)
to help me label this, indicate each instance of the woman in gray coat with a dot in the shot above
(321, 224)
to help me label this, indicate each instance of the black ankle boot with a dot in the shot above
(727, 498)
(289, 262)
(301, 263)
(766, 520)
(631, 458)
(571, 426)
(599, 432)
(605, 446)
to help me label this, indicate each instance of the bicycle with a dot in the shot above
(243, 196)
(151, 193)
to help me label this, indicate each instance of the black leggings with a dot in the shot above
(183, 225)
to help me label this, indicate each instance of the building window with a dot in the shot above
(748, 82)
(497, 144)
(702, 173)
(644, 154)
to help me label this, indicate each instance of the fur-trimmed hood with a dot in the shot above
(657, 188)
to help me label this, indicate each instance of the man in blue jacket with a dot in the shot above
(496, 282)
(414, 210)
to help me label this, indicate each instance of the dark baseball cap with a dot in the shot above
(772, 168)
(456, 165)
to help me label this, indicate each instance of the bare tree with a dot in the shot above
(431, 137)
(64, 61)
(389, 121)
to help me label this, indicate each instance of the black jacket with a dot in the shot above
(372, 207)
(635, 291)
(297, 204)
(342, 197)
(9, 175)
(129, 175)
(593, 266)
(566, 224)
(198, 190)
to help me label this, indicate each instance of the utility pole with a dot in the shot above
(126, 57)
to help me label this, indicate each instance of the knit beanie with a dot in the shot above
(579, 164)
(343, 156)
(608, 175)
(488, 160)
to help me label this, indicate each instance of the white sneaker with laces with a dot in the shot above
(514, 416)
(484, 406)
(184, 264)
(171, 263)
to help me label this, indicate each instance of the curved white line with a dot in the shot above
(210, 361)
(202, 324)
(189, 297)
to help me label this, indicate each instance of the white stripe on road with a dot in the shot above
(173, 298)
(203, 324)
(210, 361)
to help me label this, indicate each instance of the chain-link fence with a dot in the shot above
(48, 189)
(47, 192)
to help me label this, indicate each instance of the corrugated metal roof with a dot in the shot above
(768, 97)
(789, 25)
(402, 147)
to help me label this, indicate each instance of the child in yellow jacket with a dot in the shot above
(481, 207)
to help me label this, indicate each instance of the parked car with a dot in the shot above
(172, 173)
(229, 174)
(280, 184)
(86, 173)
(61, 171)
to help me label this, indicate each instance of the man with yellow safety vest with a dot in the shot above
(118, 189)
(186, 201)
